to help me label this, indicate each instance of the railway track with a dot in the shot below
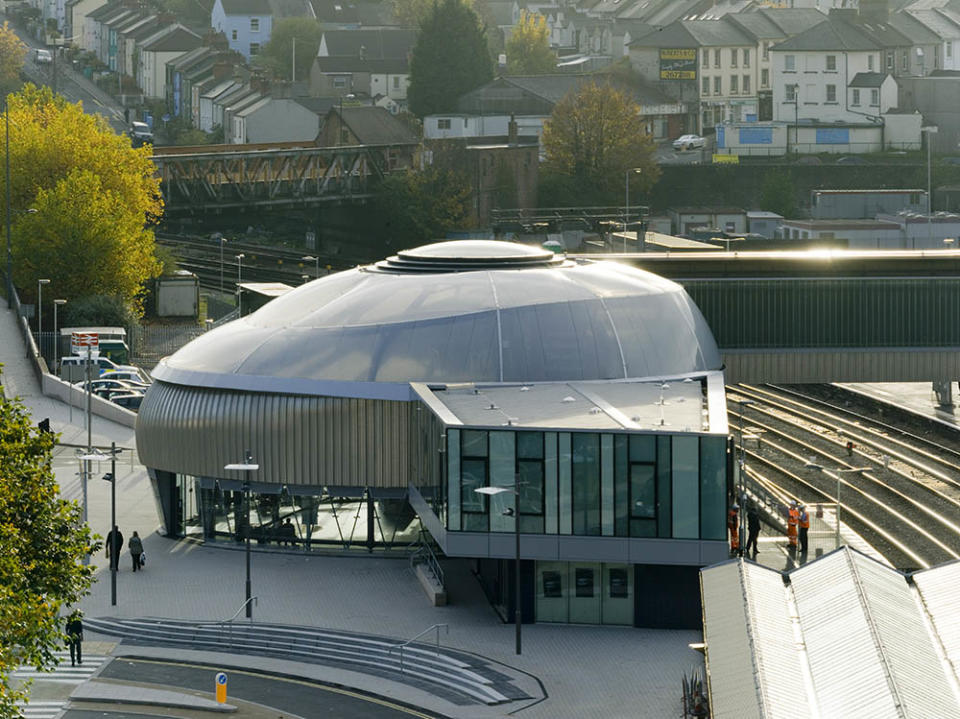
(897, 489)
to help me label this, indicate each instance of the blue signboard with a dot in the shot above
(833, 136)
(721, 137)
(756, 135)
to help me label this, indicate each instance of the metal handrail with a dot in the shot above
(403, 645)
(229, 622)
(430, 559)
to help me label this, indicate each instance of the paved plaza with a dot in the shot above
(584, 671)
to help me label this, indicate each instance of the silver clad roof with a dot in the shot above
(848, 638)
(561, 321)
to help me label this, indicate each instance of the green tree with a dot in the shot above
(421, 206)
(413, 13)
(277, 54)
(528, 49)
(42, 542)
(594, 136)
(95, 198)
(12, 55)
(778, 193)
(449, 59)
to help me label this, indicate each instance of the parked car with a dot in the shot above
(688, 142)
(140, 134)
(134, 374)
(41, 56)
(102, 364)
(99, 385)
(130, 400)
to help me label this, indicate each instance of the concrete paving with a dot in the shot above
(580, 671)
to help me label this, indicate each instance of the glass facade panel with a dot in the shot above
(664, 488)
(552, 592)
(473, 505)
(713, 461)
(502, 474)
(584, 593)
(621, 489)
(565, 456)
(550, 482)
(586, 484)
(585, 597)
(617, 600)
(606, 484)
(686, 490)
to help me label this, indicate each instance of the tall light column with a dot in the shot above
(930, 130)
(56, 337)
(626, 203)
(514, 512)
(239, 295)
(6, 116)
(247, 466)
(315, 260)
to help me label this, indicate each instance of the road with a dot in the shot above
(666, 155)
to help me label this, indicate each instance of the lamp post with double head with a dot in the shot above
(512, 512)
(626, 203)
(56, 337)
(247, 466)
(40, 284)
(223, 241)
(111, 477)
(239, 280)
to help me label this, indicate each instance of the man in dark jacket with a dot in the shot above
(753, 529)
(114, 545)
(75, 638)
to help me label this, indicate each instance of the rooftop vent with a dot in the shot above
(467, 256)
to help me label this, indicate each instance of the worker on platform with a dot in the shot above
(803, 520)
(793, 519)
(733, 524)
(753, 529)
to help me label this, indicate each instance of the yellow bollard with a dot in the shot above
(221, 688)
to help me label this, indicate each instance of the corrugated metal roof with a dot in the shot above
(854, 642)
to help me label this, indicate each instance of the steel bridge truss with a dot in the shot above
(195, 181)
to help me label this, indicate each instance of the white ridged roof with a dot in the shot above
(848, 637)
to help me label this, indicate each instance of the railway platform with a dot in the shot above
(916, 397)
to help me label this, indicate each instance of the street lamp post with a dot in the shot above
(930, 130)
(839, 471)
(223, 241)
(744, 403)
(315, 260)
(6, 115)
(40, 284)
(239, 295)
(112, 478)
(246, 466)
(56, 337)
(796, 118)
(626, 203)
(508, 512)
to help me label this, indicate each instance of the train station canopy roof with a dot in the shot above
(842, 636)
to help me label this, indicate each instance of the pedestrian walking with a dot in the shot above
(114, 545)
(733, 524)
(136, 550)
(793, 519)
(804, 522)
(753, 529)
(75, 637)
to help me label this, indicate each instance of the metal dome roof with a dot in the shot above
(469, 311)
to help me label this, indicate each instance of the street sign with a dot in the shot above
(221, 681)
(82, 343)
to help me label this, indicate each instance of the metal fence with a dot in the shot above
(149, 344)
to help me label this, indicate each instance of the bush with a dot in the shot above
(98, 311)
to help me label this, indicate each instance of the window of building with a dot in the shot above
(733, 57)
(789, 63)
(831, 63)
(474, 471)
(791, 93)
(870, 63)
(831, 93)
(586, 484)
(716, 58)
(746, 57)
(233, 34)
(643, 485)
(746, 85)
(766, 50)
(764, 78)
(949, 46)
(718, 85)
(875, 97)
(254, 48)
(705, 85)
(903, 62)
(530, 474)
(340, 82)
(443, 123)
(704, 58)
(856, 97)
(254, 24)
(733, 85)
(890, 64)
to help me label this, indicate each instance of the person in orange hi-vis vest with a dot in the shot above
(733, 524)
(804, 522)
(793, 519)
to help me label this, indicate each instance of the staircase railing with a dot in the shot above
(405, 644)
(426, 555)
(228, 623)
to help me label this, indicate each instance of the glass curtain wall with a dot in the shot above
(584, 593)
(587, 483)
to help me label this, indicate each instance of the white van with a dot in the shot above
(41, 56)
(73, 368)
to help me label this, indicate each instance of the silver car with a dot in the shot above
(688, 142)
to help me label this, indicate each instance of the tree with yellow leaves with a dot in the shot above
(593, 137)
(95, 198)
(528, 49)
(12, 55)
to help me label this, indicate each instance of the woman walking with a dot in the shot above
(136, 550)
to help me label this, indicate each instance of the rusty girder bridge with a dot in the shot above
(220, 177)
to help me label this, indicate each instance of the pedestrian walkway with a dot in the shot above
(64, 673)
(41, 710)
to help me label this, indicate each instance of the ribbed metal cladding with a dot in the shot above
(296, 439)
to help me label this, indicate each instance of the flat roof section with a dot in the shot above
(679, 405)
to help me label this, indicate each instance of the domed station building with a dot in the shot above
(378, 400)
